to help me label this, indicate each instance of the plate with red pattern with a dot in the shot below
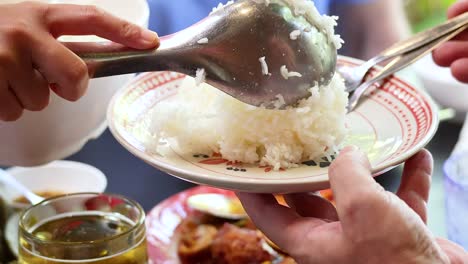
(392, 123)
(163, 222)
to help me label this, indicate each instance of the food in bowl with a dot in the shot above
(203, 120)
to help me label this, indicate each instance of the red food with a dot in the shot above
(195, 244)
(233, 245)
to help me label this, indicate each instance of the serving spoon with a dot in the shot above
(229, 45)
(11, 181)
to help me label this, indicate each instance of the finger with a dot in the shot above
(449, 52)
(10, 107)
(458, 8)
(460, 70)
(416, 183)
(280, 224)
(311, 205)
(357, 194)
(454, 252)
(95, 47)
(65, 19)
(31, 89)
(350, 175)
(62, 68)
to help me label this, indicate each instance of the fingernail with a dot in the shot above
(149, 36)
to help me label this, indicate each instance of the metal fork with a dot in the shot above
(399, 63)
(354, 75)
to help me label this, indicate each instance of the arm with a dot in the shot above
(369, 28)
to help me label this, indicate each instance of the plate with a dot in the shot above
(162, 221)
(391, 124)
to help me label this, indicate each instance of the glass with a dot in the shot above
(83, 228)
(456, 198)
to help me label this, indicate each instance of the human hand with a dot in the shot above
(454, 54)
(374, 226)
(31, 58)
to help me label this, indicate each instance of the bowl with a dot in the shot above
(53, 134)
(441, 85)
(61, 177)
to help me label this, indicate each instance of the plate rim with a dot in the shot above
(181, 196)
(266, 185)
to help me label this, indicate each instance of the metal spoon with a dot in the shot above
(11, 181)
(238, 36)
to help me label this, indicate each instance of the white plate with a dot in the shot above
(390, 125)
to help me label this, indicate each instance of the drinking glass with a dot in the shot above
(83, 228)
(456, 198)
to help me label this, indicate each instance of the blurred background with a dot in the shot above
(425, 13)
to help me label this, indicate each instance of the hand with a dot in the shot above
(31, 58)
(454, 54)
(374, 226)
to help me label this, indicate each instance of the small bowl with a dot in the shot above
(62, 177)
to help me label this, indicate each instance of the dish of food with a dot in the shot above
(203, 119)
(177, 233)
(391, 124)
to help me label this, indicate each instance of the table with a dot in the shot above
(132, 177)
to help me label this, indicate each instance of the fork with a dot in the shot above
(354, 75)
(399, 63)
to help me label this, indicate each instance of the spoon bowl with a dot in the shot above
(242, 48)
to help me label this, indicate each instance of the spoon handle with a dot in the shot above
(399, 63)
(10, 181)
(120, 62)
(109, 59)
(423, 38)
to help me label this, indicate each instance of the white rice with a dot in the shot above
(280, 102)
(295, 34)
(205, 120)
(220, 6)
(288, 74)
(264, 66)
(200, 77)
(307, 9)
(267, 2)
(203, 41)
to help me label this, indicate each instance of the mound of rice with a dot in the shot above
(201, 119)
